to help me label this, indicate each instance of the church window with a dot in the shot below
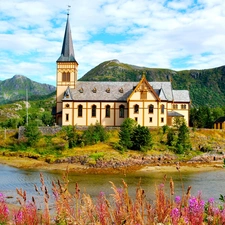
(66, 76)
(162, 109)
(162, 120)
(93, 111)
(67, 105)
(183, 106)
(67, 116)
(151, 108)
(175, 106)
(121, 111)
(107, 111)
(80, 110)
(136, 108)
(150, 119)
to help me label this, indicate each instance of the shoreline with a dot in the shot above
(27, 163)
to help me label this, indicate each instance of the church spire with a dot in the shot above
(67, 53)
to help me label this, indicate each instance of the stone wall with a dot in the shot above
(44, 130)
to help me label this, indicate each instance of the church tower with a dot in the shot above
(67, 68)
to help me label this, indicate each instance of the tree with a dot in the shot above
(171, 137)
(126, 133)
(183, 142)
(32, 133)
(71, 136)
(133, 136)
(141, 138)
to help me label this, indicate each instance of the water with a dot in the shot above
(210, 183)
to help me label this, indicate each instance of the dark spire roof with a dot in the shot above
(67, 53)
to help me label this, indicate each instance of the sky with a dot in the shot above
(173, 34)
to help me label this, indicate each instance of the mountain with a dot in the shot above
(14, 89)
(207, 86)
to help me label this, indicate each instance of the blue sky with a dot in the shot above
(174, 34)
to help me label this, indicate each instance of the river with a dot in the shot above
(210, 183)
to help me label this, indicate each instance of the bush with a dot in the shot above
(94, 134)
(119, 147)
(71, 136)
(59, 143)
(133, 136)
(97, 155)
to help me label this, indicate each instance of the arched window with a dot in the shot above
(183, 106)
(66, 76)
(151, 108)
(93, 111)
(107, 111)
(121, 111)
(162, 109)
(80, 110)
(136, 108)
(175, 106)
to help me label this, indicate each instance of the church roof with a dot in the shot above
(67, 53)
(181, 96)
(174, 114)
(120, 91)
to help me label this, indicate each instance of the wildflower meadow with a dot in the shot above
(117, 209)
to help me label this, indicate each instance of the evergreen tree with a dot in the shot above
(32, 133)
(183, 142)
(141, 138)
(126, 133)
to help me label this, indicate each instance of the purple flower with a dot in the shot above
(177, 199)
(211, 200)
(175, 213)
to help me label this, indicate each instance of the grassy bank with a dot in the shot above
(46, 151)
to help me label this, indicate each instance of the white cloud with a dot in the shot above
(150, 33)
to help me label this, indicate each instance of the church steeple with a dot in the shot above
(67, 53)
(67, 71)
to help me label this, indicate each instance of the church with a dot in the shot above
(80, 103)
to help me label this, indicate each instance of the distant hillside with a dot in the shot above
(207, 87)
(14, 89)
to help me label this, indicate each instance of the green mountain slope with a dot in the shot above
(14, 89)
(207, 87)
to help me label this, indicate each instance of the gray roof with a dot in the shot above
(174, 114)
(181, 96)
(67, 53)
(118, 91)
(165, 90)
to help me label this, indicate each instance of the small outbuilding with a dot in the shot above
(220, 123)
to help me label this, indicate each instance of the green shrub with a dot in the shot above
(59, 143)
(71, 135)
(119, 147)
(97, 155)
(133, 136)
(94, 134)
